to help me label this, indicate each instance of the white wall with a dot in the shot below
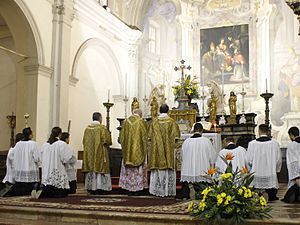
(7, 92)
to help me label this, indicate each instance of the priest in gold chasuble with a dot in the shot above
(96, 140)
(163, 134)
(133, 138)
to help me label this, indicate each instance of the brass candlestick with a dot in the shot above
(12, 125)
(267, 96)
(108, 105)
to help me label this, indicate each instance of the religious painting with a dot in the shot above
(224, 54)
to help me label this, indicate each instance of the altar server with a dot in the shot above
(9, 179)
(133, 138)
(264, 158)
(293, 156)
(70, 167)
(198, 155)
(25, 163)
(55, 155)
(293, 166)
(238, 153)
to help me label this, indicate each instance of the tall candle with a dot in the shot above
(202, 79)
(125, 85)
(108, 95)
(242, 76)
(266, 85)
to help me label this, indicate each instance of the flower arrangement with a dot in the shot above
(189, 86)
(230, 196)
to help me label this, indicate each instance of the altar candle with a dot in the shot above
(242, 76)
(202, 79)
(125, 85)
(145, 85)
(266, 85)
(108, 95)
(215, 127)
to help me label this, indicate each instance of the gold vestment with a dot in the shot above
(133, 137)
(163, 134)
(96, 140)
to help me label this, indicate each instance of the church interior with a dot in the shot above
(62, 60)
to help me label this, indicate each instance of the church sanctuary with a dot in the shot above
(149, 112)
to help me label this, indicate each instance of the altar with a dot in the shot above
(215, 139)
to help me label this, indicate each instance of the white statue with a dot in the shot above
(290, 76)
(215, 90)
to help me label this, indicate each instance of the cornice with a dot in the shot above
(90, 11)
(33, 70)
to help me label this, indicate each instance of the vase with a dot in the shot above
(183, 103)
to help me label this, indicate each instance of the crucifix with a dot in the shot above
(182, 67)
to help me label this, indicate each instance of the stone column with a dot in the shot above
(187, 42)
(62, 18)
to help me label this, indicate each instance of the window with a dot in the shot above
(154, 43)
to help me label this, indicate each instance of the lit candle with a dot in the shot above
(266, 85)
(108, 95)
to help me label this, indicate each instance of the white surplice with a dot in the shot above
(238, 161)
(9, 177)
(54, 158)
(264, 159)
(293, 161)
(163, 182)
(70, 169)
(25, 161)
(198, 154)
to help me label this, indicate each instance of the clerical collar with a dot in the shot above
(263, 138)
(196, 135)
(297, 139)
(95, 122)
(231, 146)
(163, 115)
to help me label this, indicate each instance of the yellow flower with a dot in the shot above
(228, 199)
(202, 205)
(206, 191)
(190, 206)
(226, 175)
(189, 92)
(219, 200)
(240, 191)
(262, 201)
(248, 193)
(223, 195)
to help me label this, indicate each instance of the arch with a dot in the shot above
(95, 42)
(16, 13)
(35, 31)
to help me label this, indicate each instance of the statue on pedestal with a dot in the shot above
(135, 104)
(154, 107)
(212, 107)
(232, 108)
(159, 93)
(216, 91)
